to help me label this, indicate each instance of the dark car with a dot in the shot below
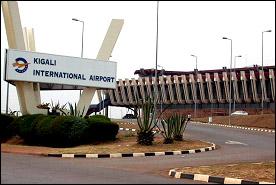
(129, 116)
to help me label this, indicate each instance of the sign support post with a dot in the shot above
(15, 39)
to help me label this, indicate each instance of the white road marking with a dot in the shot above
(235, 143)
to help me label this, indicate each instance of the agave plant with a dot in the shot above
(57, 106)
(73, 111)
(179, 126)
(167, 133)
(145, 111)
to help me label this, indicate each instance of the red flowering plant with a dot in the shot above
(52, 108)
(57, 107)
(43, 106)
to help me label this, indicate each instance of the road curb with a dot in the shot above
(221, 125)
(120, 155)
(237, 127)
(133, 130)
(127, 123)
(146, 154)
(26, 153)
(212, 179)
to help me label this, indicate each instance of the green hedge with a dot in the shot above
(101, 130)
(27, 127)
(43, 132)
(14, 126)
(99, 117)
(61, 131)
(68, 131)
(6, 120)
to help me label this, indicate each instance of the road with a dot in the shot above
(234, 146)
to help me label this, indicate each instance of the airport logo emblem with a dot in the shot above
(21, 64)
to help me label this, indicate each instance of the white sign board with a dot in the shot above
(56, 69)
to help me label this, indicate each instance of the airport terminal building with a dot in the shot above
(178, 91)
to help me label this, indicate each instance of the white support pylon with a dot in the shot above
(15, 37)
(104, 54)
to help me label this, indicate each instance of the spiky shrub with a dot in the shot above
(73, 111)
(145, 111)
(55, 107)
(167, 133)
(179, 126)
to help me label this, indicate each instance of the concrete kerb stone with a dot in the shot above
(117, 155)
(146, 154)
(134, 130)
(220, 125)
(126, 123)
(237, 127)
(212, 179)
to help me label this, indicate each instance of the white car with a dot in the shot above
(240, 113)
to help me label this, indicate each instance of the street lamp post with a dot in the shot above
(103, 103)
(230, 78)
(161, 94)
(195, 86)
(235, 73)
(121, 113)
(155, 83)
(263, 70)
(7, 103)
(74, 19)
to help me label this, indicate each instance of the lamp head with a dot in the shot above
(224, 38)
(74, 19)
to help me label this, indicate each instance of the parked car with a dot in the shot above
(240, 113)
(129, 116)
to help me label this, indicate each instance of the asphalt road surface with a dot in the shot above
(234, 146)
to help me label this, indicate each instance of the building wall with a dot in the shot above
(206, 89)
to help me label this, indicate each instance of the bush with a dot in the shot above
(27, 128)
(35, 139)
(14, 126)
(99, 117)
(6, 120)
(60, 131)
(42, 130)
(67, 131)
(101, 130)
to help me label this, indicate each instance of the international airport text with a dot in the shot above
(54, 74)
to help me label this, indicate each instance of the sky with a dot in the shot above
(184, 28)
